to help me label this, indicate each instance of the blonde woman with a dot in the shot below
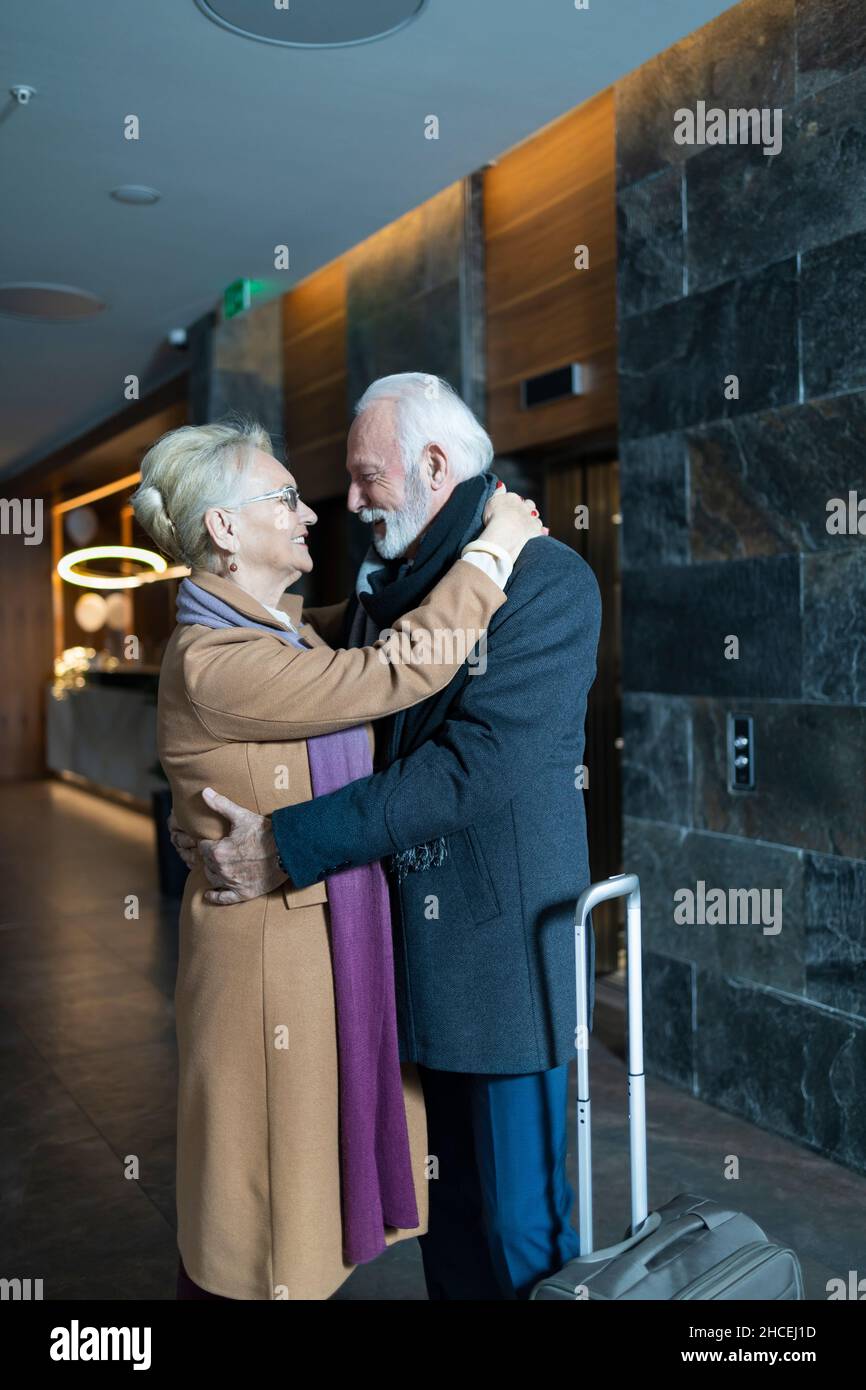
(301, 1137)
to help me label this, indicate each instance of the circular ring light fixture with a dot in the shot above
(88, 580)
(312, 23)
(30, 299)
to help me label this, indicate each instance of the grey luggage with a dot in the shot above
(691, 1247)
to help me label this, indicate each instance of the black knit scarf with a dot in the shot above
(399, 586)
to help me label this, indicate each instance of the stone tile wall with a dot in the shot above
(732, 262)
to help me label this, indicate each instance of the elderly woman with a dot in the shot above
(301, 1138)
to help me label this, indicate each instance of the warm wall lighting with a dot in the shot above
(89, 580)
(90, 612)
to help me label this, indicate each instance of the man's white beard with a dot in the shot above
(403, 525)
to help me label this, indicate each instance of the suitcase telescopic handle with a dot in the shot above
(620, 886)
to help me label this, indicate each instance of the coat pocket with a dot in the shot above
(468, 856)
(303, 897)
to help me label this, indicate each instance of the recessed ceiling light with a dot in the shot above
(62, 303)
(136, 193)
(321, 24)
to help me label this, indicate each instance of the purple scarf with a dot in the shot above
(375, 1164)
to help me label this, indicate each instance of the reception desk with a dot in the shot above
(104, 733)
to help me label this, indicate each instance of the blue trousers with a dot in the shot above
(500, 1207)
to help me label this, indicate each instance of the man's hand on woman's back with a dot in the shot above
(183, 843)
(243, 864)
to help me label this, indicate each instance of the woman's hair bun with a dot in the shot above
(150, 511)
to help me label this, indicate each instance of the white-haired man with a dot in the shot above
(474, 807)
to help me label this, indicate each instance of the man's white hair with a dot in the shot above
(429, 411)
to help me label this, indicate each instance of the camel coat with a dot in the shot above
(258, 1161)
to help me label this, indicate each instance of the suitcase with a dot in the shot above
(691, 1247)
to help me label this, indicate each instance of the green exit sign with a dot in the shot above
(240, 295)
(237, 298)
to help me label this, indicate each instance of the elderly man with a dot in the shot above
(476, 809)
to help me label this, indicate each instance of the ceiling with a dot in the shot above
(251, 145)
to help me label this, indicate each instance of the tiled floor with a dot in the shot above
(88, 1076)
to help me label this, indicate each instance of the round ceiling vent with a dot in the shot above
(312, 23)
(60, 303)
(135, 193)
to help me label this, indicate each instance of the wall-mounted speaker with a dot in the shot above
(551, 386)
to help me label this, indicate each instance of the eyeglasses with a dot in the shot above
(287, 494)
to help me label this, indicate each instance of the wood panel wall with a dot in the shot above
(314, 364)
(26, 649)
(550, 194)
